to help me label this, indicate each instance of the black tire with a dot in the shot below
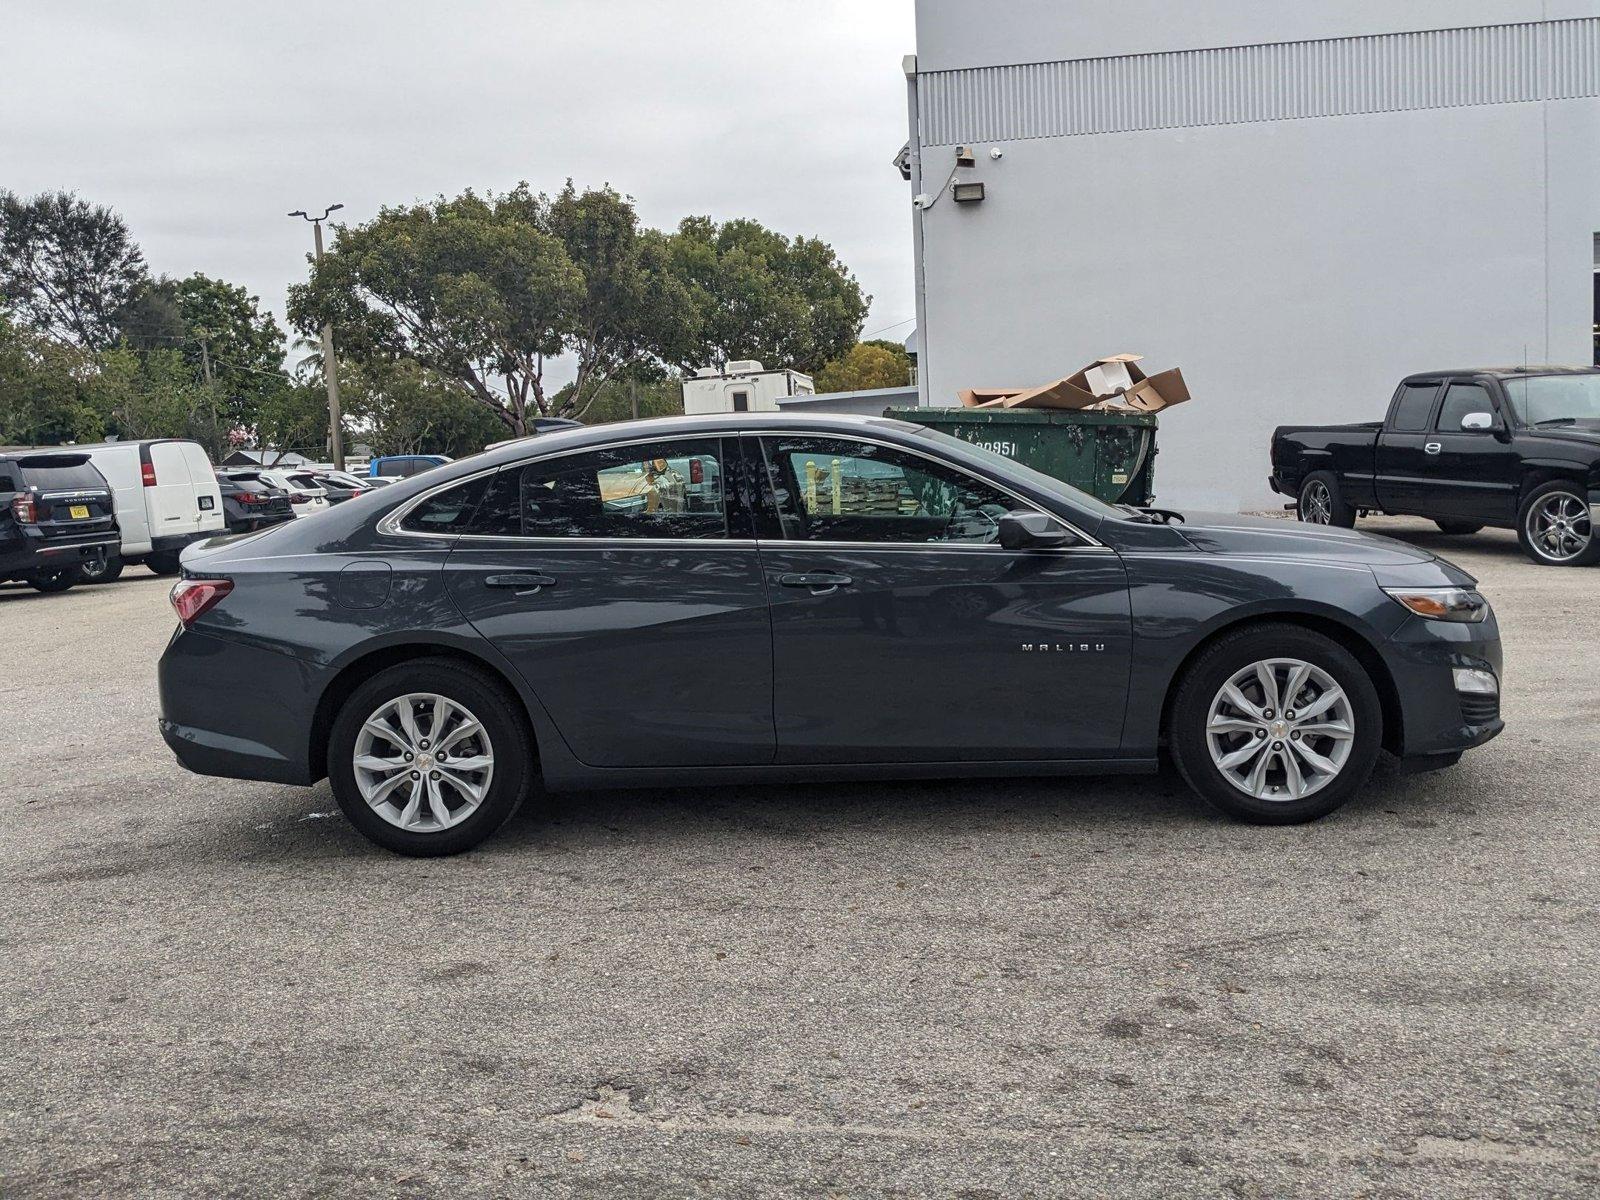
(102, 570)
(1458, 528)
(57, 580)
(1217, 665)
(1578, 545)
(1320, 502)
(162, 562)
(505, 725)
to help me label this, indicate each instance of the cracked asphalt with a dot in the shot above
(1043, 988)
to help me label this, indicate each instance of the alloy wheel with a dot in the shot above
(1280, 729)
(1316, 504)
(423, 762)
(1559, 527)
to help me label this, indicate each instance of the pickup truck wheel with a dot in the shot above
(1321, 504)
(1555, 529)
(1276, 725)
(1457, 528)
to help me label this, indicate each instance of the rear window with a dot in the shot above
(8, 481)
(61, 475)
(305, 481)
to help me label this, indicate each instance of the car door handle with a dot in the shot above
(526, 585)
(1434, 447)
(821, 583)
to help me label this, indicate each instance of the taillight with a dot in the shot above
(24, 508)
(147, 474)
(299, 498)
(250, 498)
(697, 471)
(192, 597)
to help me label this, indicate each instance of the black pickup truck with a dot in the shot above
(1515, 448)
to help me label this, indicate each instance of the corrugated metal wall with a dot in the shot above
(1494, 64)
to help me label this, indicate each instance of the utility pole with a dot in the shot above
(330, 371)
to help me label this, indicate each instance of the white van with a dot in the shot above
(166, 496)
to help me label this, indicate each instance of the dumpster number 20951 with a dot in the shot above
(1008, 449)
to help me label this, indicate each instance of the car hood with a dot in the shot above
(1257, 537)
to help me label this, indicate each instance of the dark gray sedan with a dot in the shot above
(747, 597)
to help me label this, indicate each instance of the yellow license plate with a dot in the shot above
(80, 512)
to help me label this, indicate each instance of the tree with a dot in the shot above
(484, 291)
(67, 267)
(788, 302)
(873, 364)
(46, 390)
(404, 408)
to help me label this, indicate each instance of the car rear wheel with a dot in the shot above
(1458, 528)
(162, 562)
(57, 580)
(1554, 526)
(1276, 725)
(1321, 504)
(430, 758)
(102, 570)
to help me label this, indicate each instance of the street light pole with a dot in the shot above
(330, 372)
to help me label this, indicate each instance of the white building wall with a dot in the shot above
(1294, 267)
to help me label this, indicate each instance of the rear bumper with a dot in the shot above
(36, 554)
(217, 727)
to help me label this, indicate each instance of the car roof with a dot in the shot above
(1501, 372)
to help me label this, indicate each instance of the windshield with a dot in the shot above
(1559, 399)
(981, 456)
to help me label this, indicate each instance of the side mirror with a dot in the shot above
(1478, 422)
(1032, 531)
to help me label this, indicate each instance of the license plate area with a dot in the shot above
(78, 512)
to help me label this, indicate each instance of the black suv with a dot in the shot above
(250, 503)
(55, 515)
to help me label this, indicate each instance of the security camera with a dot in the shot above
(921, 200)
(996, 153)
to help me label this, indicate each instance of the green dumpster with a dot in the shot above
(1111, 455)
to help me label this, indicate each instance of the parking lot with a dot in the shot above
(1082, 987)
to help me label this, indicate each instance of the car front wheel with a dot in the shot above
(430, 758)
(1276, 725)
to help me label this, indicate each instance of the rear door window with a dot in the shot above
(449, 511)
(1413, 406)
(668, 489)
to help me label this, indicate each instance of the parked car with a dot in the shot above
(166, 496)
(306, 496)
(1514, 448)
(438, 649)
(57, 516)
(250, 503)
(403, 466)
(339, 486)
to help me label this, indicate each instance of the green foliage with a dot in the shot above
(615, 400)
(295, 417)
(788, 302)
(47, 393)
(405, 408)
(472, 289)
(874, 364)
(67, 267)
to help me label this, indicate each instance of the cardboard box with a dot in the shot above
(1140, 393)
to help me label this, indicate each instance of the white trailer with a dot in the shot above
(742, 386)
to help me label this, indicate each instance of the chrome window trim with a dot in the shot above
(389, 524)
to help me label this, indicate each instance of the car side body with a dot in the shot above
(686, 660)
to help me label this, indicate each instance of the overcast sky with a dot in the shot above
(204, 123)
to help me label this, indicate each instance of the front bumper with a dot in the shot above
(237, 710)
(1437, 721)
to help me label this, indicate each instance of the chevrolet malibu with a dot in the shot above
(761, 597)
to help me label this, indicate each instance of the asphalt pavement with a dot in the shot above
(1088, 987)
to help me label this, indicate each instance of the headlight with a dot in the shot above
(1443, 604)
